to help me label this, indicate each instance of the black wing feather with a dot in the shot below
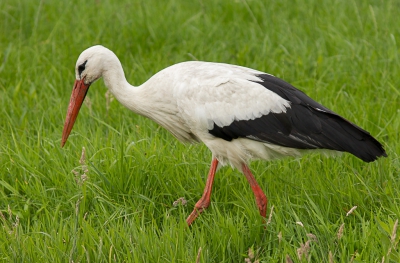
(305, 125)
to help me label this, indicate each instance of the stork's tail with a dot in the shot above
(354, 140)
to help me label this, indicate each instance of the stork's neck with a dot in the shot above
(128, 95)
(147, 100)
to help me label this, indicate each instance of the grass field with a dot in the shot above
(116, 203)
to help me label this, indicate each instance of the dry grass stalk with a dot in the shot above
(82, 160)
(288, 259)
(312, 237)
(353, 256)
(11, 227)
(393, 245)
(300, 223)
(340, 231)
(251, 253)
(2, 216)
(351, 210)
(180, 201)
(9, 212)
(198, 255)
(270, 215)
(303, 250)
(251, 256)
(15, 225)
(280, 236)
(330, 257)
(81, 178)
(394, 232)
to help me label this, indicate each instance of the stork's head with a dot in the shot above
(89, 67)
(91, 64)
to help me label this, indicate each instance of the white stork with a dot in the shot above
(239, 113)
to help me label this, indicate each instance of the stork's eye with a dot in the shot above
(81, 67)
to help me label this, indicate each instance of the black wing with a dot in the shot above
(306, 125)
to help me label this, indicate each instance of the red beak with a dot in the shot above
(75, 103)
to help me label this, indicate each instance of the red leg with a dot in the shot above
(261, 199)
(204, 201)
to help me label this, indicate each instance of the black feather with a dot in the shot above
(305, 125)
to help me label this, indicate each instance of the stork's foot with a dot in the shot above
(200, 206)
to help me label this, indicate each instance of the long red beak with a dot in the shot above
(75, 103)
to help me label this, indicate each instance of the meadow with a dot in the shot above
(108, 195)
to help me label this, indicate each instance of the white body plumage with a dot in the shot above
(189, 97)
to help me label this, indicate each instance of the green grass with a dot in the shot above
(344, 54)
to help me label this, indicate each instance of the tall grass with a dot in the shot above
(115, 204)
